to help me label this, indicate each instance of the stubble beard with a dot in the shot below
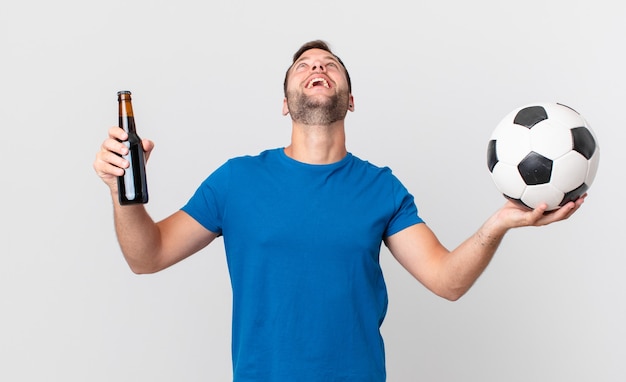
(317, 111)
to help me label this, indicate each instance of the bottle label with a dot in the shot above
(129, 189)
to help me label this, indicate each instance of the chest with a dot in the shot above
(339, 213)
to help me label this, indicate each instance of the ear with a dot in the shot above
(285, 107)
(351, 103)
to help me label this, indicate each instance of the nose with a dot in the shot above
(317, 66)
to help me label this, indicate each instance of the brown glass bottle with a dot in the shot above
(132, 186)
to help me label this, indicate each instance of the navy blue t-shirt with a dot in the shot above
(302, 243)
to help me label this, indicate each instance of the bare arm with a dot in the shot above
(147, 246)
(450, 274)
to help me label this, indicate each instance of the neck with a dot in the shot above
(317, 144)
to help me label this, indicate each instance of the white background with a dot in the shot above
(431, 81)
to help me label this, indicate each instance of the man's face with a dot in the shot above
(317, 89)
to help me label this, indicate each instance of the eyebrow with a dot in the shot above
(304, 58)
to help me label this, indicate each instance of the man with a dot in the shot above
(302, 228)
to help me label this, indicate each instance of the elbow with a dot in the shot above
(451, 293)
(145, 269)
(452, 289)
(142, 268)
(446, 291)
(452, 296)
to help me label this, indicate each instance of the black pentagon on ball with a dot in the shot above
(535, 169)
(583, 141)
(492, 155)
(530, 116)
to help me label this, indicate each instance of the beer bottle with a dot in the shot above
(132, 186)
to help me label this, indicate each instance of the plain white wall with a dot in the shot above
(431, 81)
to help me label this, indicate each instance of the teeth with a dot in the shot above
(317, 80)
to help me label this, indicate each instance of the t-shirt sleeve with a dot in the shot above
(405, 210)
(208, 202)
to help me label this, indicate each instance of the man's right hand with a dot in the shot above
(109, 163)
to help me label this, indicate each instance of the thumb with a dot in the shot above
(148, 146)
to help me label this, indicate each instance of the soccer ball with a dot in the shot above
(543, 153)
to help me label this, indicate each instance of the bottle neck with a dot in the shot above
(126, 118)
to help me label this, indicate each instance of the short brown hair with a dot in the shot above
(315, 44)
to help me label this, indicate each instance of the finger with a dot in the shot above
(111, 152)
(106, 158)
(109, 165)
(538, 213)
(561, 213)
(565, 211)
(115, 160)
(542, 216)
(148, 146)
(571, 207)
(114, 146)
(108, 169)
(116, 133)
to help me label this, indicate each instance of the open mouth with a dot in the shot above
(318, 81)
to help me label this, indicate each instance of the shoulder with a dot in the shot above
(370, 168)
(248, 168)
(265, 156)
